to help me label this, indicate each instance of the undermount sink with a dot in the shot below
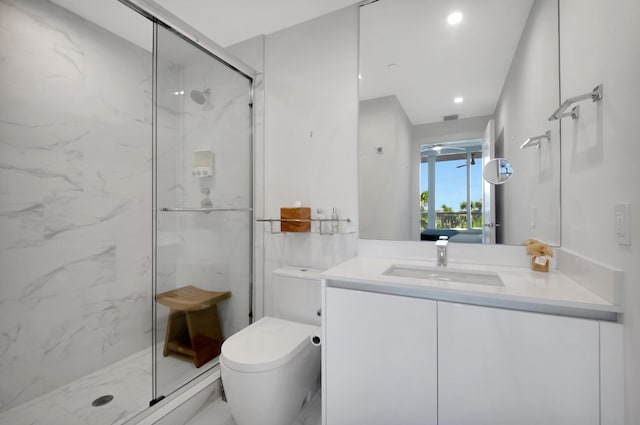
(445, 275)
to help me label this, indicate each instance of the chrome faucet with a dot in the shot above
(441, 246)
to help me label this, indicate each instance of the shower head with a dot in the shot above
(200, 97)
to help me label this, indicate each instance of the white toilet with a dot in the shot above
(271, 368)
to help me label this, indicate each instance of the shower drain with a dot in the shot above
(102, 400)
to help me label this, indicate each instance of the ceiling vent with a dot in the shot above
(450, 117)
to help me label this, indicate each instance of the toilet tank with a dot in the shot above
(296, 294)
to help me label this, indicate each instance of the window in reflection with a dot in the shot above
(451, 191)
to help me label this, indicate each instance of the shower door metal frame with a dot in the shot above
(161, 17)
(159, 14)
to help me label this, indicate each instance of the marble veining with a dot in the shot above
(60, 218)
(75, 200)
(128, 380)
(50, 283)
(21, 222)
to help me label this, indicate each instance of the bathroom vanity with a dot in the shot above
(407, 342)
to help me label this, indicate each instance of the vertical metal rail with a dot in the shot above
(154, 213)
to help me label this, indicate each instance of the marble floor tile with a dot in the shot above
(218, 413)
(129, 381)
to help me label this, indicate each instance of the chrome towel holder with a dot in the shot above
(595, 95)
(535, 141)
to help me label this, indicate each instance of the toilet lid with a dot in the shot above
(266, 344)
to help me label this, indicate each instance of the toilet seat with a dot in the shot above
(266, 344)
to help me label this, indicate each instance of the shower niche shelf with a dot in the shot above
(323, 226)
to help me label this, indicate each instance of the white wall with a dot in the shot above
(384, 183)
(305, 140)
(251, 52)
(529, 96)
(450, 131)
(75, 198)
(600, 43)
(311, 146)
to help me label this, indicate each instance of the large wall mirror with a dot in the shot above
(445, 87)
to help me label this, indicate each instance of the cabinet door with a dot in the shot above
(380, 359)
(510, 367)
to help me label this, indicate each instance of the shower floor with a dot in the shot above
(129, 381)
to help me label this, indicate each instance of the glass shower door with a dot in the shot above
(202, 208)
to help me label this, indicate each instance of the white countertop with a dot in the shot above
(523, 288)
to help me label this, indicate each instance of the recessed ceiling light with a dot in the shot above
(458, 100)
(454, 18)
(359, 76)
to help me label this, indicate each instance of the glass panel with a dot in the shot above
(203, 160)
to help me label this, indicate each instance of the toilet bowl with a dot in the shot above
(271, 369)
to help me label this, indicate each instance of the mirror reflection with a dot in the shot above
(497, 171)
(451, 173)
(439, 101)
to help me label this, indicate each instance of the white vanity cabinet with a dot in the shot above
(380, 363)
(396, 359)
(501, 366)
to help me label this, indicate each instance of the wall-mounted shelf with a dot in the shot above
(326, 226)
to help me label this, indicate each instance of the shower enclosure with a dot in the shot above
(203, 194)
(108, 121)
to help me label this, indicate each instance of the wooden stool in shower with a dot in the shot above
(193, 327)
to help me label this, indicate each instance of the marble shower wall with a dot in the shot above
(75, 198)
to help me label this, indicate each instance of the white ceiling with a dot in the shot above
(230, 21)
(436, 62)
(225, 22)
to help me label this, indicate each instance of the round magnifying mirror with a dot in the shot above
(497, 171)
